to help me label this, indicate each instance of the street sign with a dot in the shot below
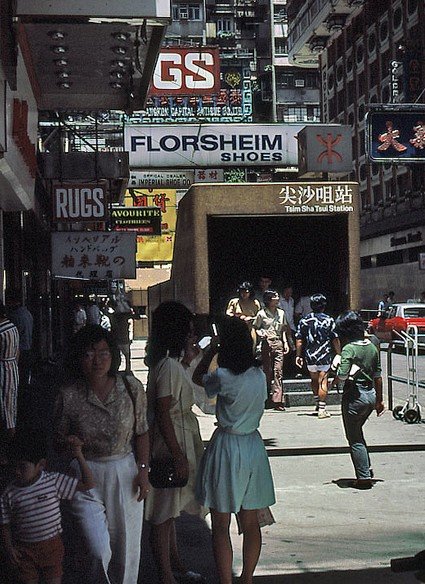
(396, 133)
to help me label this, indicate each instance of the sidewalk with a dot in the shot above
(325, 533)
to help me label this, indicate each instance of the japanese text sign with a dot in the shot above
(93, 255)
(396, 133)
(325, 149)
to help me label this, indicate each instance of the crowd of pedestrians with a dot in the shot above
(108, 432)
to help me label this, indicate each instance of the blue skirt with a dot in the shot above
(235, 473)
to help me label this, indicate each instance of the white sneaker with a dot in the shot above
(323, 414)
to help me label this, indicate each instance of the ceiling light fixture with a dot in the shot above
(61, 62)
(63, 74)
(120, 64)
(59, 49)
(121, 36)
(116, 85)
(64, 84)
(117, 74)
(56, 35)
(119, 50)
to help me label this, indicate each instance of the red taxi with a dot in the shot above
(398, 318)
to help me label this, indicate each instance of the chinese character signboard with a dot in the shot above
(155, 248)
(325, 149)
(79, 202)
(229, 101)
(396, 133)
(314, 198)
(143, 220)
(93, 255)
(219, 145)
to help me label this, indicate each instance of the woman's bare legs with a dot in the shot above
(176, 562)
(222, 545)
(251, 543)
(160, 539)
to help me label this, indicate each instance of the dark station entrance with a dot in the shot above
(308, 252)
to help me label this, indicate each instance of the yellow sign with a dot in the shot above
(155, 248)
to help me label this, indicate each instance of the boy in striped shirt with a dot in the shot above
(30, 518)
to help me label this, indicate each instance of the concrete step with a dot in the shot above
(298, 393)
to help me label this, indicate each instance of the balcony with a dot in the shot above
(317, 18)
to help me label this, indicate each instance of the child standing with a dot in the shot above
(30, 519)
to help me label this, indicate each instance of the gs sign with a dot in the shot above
(186, 72)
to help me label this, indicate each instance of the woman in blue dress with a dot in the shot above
(234, 475)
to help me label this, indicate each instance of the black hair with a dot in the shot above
(268, 295)
(246, 286)
(349, 326)
(318, 302)
(170, 326)
(85, 339)
(236, 350)
(28, 446)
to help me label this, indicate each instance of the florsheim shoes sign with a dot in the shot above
(212, 145)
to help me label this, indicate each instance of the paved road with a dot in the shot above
(326, 532)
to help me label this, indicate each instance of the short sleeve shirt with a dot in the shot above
(317, 331)
(271, 324)
(106, 427)
(33, 511)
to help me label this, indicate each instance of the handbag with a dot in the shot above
(162, 472)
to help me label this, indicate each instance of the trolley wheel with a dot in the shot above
(398, 412)
(412, 416)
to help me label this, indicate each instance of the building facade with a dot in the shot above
(372, 52)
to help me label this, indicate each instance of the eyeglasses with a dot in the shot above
(90, 355)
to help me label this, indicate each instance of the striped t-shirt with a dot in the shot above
(33, 511)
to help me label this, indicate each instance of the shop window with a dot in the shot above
(390, 258)
(366, 262)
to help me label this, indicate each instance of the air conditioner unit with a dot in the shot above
(299, 83)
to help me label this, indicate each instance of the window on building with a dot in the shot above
(284, 80)
(225, 25)
(312, 80)
(281, 46)
(186, 12)
(301, 113)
